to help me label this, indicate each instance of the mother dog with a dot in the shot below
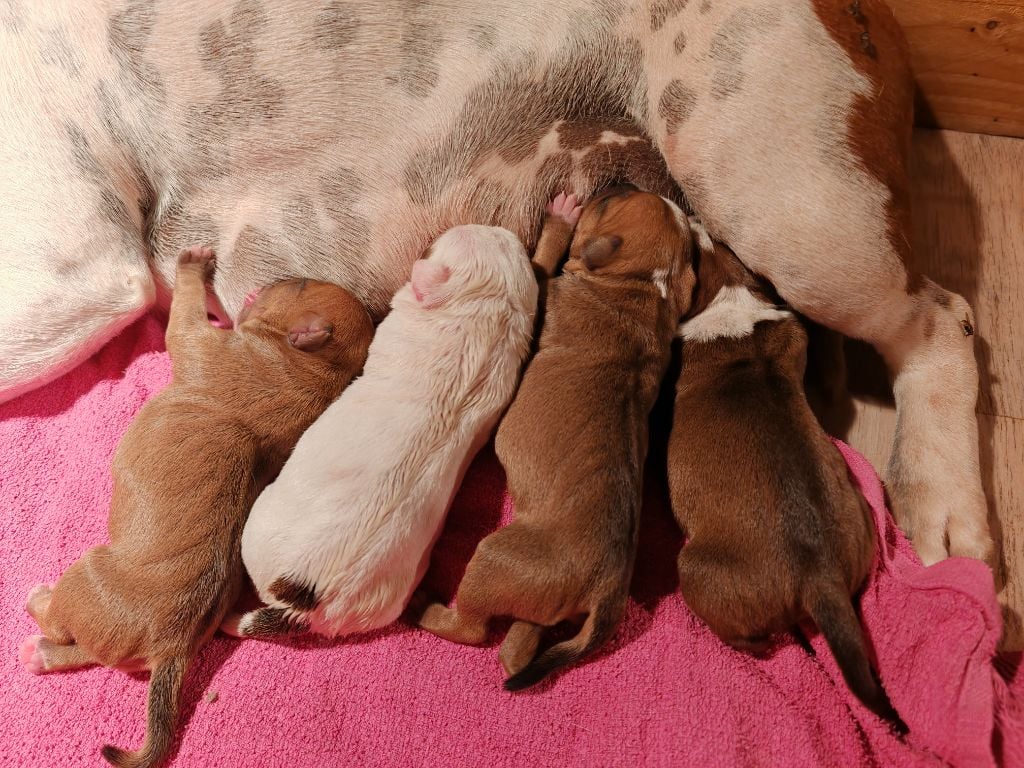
(336, 139)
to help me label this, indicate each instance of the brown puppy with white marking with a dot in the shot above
(186, 473)
(574, 441)
(776, 529)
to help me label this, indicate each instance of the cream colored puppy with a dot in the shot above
(339, 541)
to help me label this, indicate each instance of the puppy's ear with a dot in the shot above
(310, 332)
(600, 251)
(428, 282)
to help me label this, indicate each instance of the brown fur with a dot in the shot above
(777, 530)
(574, 441)
(185, 475)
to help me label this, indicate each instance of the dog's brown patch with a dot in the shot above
(880, 124)
(519, 104)
(296, 594)
(636, 161)
(229, 51)
(336, 26)
(676, 104)
(274, 622)
(128, 33)
(663, 10)
(730, 44)
(419, 69)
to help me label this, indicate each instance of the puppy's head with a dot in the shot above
(312, 317)
(472, 263)
(628, 234)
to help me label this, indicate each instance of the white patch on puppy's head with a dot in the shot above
(470, 262)
(732, 314)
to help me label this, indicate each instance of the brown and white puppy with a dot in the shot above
(186, 473)
(776, 529)
(574, 441)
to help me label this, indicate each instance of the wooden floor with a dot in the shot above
(969, 237)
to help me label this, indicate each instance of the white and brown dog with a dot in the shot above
(339, 541)
(778, 531)
(336, 140)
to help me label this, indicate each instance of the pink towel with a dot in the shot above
(665, 693)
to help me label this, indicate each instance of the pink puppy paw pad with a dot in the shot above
(30, 655)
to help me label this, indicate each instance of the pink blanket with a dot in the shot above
(666, 692)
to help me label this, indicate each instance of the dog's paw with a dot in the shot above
(565, 208)
(31, 656)
(38, 598)
(199, 257)
(943, 522)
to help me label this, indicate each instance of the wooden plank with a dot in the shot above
(969, 236)
(968, 57)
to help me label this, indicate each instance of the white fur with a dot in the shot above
(357, 507)
(732, 314)
(660, 278)
(704, 241)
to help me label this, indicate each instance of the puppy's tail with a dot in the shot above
(265, 623)
(161, 717)
(595, 632)
(830, 607)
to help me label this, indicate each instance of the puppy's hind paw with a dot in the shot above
(31, 656)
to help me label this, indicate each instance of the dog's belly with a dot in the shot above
(332, 140)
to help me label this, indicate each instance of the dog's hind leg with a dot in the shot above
(73, 266)
(805, 177)
(40, 655)
(519, 646)
(451, 624)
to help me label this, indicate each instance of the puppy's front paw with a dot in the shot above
(30, 655)
(564, 208)
(199, 257)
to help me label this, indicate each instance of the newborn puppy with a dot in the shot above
(574, 440)
(339, 541)
(776, 529)
(185, 475)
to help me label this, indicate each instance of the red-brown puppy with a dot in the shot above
(185, 475)
(574, 440)
(777, 530)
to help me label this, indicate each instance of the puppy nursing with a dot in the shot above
(185, 475)
(339, 541)
(574, 440)
(776, 529)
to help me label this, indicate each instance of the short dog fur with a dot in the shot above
(339, 541)
(574, 440)
(185, 475)
(776, 529)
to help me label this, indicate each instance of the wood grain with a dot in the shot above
(968, 58)
(969, 236)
